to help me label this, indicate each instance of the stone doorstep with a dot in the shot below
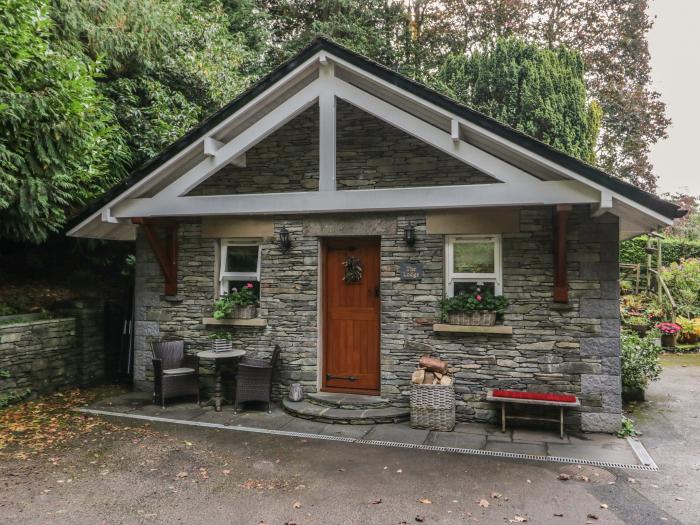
(328, 414)
(347, 401)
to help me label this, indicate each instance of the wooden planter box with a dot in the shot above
(221, 345)
(477, 318)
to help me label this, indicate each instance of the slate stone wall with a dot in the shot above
(370, 154)
(553, 348)
(54, 354)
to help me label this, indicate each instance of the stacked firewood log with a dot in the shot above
(431, 371)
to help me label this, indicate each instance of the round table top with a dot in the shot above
(210, 354)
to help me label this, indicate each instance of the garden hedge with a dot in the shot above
(672, 250)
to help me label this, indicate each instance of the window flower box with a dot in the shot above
(476, 307)
(247, 311)
(237, 304)
(475, 318)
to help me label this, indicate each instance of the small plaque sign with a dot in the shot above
(411, 271)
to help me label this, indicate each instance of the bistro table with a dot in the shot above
(218, 357)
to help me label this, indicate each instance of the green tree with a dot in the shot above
(168, 64)
(373, 28)
(539, 91)
(59, 141)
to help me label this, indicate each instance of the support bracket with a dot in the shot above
(165, 248)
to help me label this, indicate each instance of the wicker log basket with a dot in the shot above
(433, 407)
(432, 395)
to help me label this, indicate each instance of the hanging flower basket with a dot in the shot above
(475, 318)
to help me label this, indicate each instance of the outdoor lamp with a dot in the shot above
(409, 235)
(285, 241)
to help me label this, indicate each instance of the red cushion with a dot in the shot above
(540, 396)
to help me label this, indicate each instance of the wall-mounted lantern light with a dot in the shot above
(285, 240)
(409, 235)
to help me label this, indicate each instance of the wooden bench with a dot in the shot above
(533, 398)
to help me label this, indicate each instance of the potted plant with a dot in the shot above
(221, 341)
(669, 332)
(237, 304)
(690, 330)
(476, 308)
(638, 323)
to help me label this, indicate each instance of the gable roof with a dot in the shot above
(591, 173)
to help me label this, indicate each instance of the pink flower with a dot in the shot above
(249, 285)
(478, 298)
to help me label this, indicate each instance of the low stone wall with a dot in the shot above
(47, 355)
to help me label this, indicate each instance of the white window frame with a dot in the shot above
(452, 277)
(225, 276)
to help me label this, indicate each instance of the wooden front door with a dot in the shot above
(351, 315)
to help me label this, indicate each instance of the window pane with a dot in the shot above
(237, 285)
(242, 259)
(474, 257)
(469, 287)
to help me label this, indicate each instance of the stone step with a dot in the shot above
(347, 401)
(328, 414)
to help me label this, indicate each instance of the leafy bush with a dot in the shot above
(627, 428)
(673, 249)
(683, 281)
(640, 359)
(636, 320)
(476, 300)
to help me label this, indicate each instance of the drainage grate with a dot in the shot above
(394, 444)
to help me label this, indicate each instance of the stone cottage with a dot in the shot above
(333, 159)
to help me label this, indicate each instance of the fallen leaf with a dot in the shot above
(296, 505)
(678, 498)
(603, 505)
(483, 503)
(563, 476)
(181, 475)
(496, 495)
(188, 443)
(518, 519)
(425, 501)
(226, 472)
(592, 516)
(375, 501)
(399, 471)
